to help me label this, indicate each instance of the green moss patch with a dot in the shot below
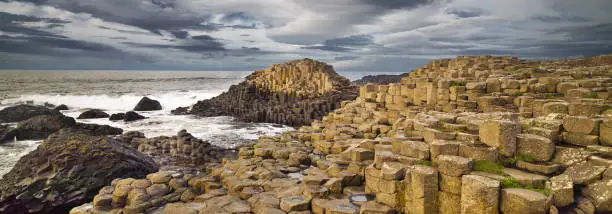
(488, 166)
(424, 163)
(510, 182)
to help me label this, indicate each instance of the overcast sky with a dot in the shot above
(352, 35)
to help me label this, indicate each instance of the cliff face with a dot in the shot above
(294, 93)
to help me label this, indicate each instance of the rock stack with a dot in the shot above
(476, 134)
(294, 93)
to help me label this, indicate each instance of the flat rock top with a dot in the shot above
(482, 180)
(525, 194)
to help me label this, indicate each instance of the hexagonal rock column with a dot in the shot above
(522, 201)
(391, 184)
(601, 194)
(421, 190)
(500, 134)
(540, 148)
(479, 195)
(451, 169)
(562, 190)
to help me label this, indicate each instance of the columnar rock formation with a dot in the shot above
(294, 93)
(470, 135)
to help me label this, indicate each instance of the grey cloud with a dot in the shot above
(164, 3)
(396, 4)
(180, 34)
(465, 13)
(59, 47)
(203, 38)
(195, 48)
(549, 18)
(339, 30)
(350, 41)
(327, 48)
(237, 16)
(346, 58)
(153, 16)
(14, 24)
(343, 44)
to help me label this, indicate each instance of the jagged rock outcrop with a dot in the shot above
(93, 114)
(380, 79)
(97, 130)
(117, 116)
(127, 117)
(183, 149)
(40, 127)
(132, 116)
(66, 170)
(7, 133)
(23, 112)
(147, 104)
(61, 107)
(294, 93)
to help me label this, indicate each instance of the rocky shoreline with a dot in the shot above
(474, 134)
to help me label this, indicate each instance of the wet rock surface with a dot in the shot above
(294, 93)
(66, 170)
(127, 117)
(147, 104)
(93, 114)
(23, 112)
(7, 133)
(40, 127)
(61, 107)
(182, 149)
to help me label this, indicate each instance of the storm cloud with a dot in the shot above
(372, 35)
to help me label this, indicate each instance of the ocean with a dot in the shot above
(120, 91)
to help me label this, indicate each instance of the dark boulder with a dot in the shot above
(7, 133)
(67, 170)
(132, 116)
(92, 114)
(61, 107)
(40, 127)
(98, 130)
(48, 105)
(23, 112)
(117, 116)
(146, 104)
(180, 111)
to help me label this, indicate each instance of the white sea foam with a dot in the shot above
(126, 102)
(222, 131)
(12, 151)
